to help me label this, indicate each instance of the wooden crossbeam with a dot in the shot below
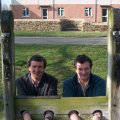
(60, 106)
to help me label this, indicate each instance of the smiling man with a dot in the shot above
(84, 83)
(36, 82)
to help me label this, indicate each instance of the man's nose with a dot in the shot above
(37, 69)
(83, 71)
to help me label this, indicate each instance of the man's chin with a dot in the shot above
(84, 79)
(36, 76)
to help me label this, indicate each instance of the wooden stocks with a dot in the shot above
(114, 64)
(7, 58)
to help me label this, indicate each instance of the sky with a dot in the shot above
(5, 3)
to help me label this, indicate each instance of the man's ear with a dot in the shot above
(29, 69)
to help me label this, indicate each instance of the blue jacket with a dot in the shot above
(96, 87)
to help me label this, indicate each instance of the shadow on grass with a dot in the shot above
(63, 69)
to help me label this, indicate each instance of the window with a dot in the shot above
(61, 12)
(88, 11)
(45, 13)
(25, 12)
(104, 15)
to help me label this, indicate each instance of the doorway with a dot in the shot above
(104, 14)
(44, 13)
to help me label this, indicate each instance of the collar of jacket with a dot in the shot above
(43, 78)
(91, 81)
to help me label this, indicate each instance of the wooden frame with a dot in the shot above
(60, 106)
(10, 106)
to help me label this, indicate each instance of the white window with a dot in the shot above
(61, 12)
(45, 13)
(104, 15)
(88, 11)
(25, 12)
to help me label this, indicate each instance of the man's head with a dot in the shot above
(74, 115)
(48, 115)
(97, 115)
(83, 65)
(36, 66)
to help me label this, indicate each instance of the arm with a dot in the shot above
(53, 88)
(101, 88)
(20, 88)
(67, 89)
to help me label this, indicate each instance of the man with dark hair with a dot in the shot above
(84, 83)
(48, 115)
(36, 82)
(97, 115)
(73, 115)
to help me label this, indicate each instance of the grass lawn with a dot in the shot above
(60, 59)
(62, 34)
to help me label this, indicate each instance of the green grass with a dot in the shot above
(62, 34)
(60, 59)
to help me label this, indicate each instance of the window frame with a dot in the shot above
(25, 12)
(61, 12)
(105, 16)
(88, 11)
(44, 17)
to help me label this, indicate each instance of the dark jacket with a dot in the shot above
(96, 87)
(47, 86)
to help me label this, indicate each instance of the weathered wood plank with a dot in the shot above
(60, 106)
(7, 59)
(114, 64)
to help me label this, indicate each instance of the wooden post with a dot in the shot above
(114, 64)
(7, 56)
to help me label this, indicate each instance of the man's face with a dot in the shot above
(36, 69)
(97, 116)
(83, 70)
(74, 117)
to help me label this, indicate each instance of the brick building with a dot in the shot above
(89, 10)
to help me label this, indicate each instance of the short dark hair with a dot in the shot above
(95, 111)
(72, 112)
(48, 114)
(37, 58)
(82, 59)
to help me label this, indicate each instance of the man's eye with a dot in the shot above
(86, 68)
